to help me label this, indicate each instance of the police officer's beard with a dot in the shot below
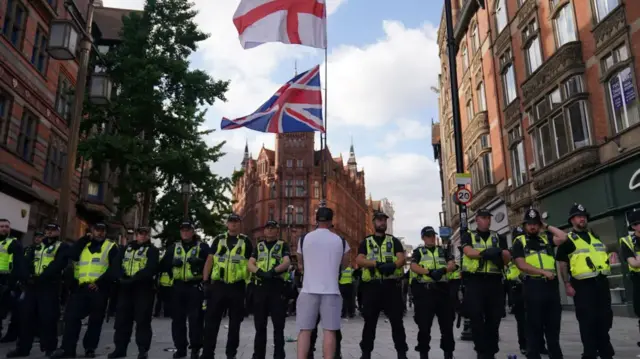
(381, 229)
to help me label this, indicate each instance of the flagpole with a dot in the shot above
(323, 135)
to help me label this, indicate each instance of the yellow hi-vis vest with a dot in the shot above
(542, 259)
(383, 253)
(92, 266)
(269, 259)
(185, 273)
(513, 273)
(347, 276)
(134, 260)
(628, 241)
(230, 265)
(164, 279)
(456, 274)
(43, 257)
(6, 258)
(473, 265)
(595, 250)
(431, 261)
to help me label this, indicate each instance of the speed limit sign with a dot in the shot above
(463, 196)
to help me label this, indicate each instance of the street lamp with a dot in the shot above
(186, 193)
(100, 91)
(63, 40)
(290, 209)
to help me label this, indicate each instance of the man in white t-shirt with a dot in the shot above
(326, 253)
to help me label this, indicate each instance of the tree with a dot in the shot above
(151, 133)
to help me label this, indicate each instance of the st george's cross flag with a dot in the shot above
(295, 107)
(301, 22)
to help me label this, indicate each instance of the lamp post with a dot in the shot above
(63, 43)
(186, 193)
(289, 222)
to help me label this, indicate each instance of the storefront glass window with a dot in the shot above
(606, 230)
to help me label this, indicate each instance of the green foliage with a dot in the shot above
(237, 174)
(151, 133)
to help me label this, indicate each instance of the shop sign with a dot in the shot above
(17, 212)
(634, 182)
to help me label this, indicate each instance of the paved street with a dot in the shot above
(624, 334)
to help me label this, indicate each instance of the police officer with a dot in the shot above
(270, 262)
(11, 272)
(163, 297)
(381, 257)
(136, 293)
(346, 291)
(185, 260)
(224, 276)
(630, 250)
(96, 269)
(584, 266)
(485, 254)
(429, 284)
(46, 262)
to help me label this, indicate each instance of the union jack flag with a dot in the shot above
(295, 107)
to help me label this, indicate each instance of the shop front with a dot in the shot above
(608, 194)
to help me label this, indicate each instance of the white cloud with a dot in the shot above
(406, 130)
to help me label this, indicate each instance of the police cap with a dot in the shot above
(634, 218)
(186, 225)
(234, 217)
(271, 224)
(427, 231)
(379, 215)
(483, 212)
(52, 227)
(532, 216)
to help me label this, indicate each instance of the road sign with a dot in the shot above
(463, 196)
(463, 179)
(445, 231)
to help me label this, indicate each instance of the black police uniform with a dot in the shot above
(223, 296)
(41, 303)
(269, 300)
(432, 299)
(9, 289)
(484, 296)
(634, 219)
(135, 298)
(541, 296)
(382, 295)
(592, 299)
(186, 301)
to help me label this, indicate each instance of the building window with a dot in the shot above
(481, 172)
(475, 39)
(5, 115)
(604, 7)
(27, 136)
(508, 78)
(299, 215)
(621, 91)
(501, 15)
(289, 163)
(469, 110)
(482, 99)
(64, 98)
(565, 26)
(56, 156)
(95, 190)
(14, 22)
(533, 52)
(316, 189)
(272, 215)
(300, 188)
(288, 188)
(39, 55)
(289, 215)
(272, 191)
(518, 162)
(465, 59)
(300, 163)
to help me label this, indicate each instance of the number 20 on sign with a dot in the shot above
(463, 196)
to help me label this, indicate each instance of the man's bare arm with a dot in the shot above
(363, 262)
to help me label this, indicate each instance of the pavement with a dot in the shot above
(624, 336)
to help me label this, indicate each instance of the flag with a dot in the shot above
(295, 107)
(301, 22)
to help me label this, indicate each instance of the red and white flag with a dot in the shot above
(301, 22)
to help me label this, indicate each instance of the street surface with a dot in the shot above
(624, 335)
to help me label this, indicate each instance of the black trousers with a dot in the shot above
(595, 316)
(135, 304)
(484, 305)
(383, 296)
(635, 280)
(249, 298)
(433, 300)
(314, 339)
(454, 288)
(186, 307)
(543, 317)
(348, 300)
(163, 301)
(269, 301)
(82, 303)
(224, 296)
(517, 303)
(9, 305)
(40, 314)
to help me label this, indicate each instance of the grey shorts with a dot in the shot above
(310, 306)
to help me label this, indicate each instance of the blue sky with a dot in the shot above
(382, 62)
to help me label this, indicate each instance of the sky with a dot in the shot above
(382, 63)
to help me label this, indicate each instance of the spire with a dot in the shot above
(245, 159)
(352, 163)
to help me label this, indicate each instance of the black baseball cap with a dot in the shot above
(100, 225)
(52, 226)
(483, 212)
(38, 233)
(271, 224)
(324, 214)
(379, 215)
(427, 231)
(142, 230)
(186, 225)
(234, 217)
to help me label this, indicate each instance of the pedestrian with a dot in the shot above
(11, 273)
(429, 285)
(135, 295)
(382, 257)
(485, 254)
(321, 255)
(185, 261)
(630, 250)
(163, 296)
(41, 304)
(225, 279)
(584, 266)
(346, 290)
(269, 263)
(96, 270)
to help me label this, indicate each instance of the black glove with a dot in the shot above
(273, 273)
(194, 261)
(206, 288)
(437, 274)
(491, 253)
(261, 274)
(177, 262)
(387, 268)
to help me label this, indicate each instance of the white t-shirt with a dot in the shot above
(322, 257)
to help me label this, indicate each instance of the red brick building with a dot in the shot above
(285, 185)
(35, 108)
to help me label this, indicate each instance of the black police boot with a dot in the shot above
(448, 355)
(61, 354)
(402, 355)
(424, 355)
(195, 354)
(143, 355)
(89, 353)
(180, 353)
(17, 353)
(117, 354)
(9, 338)
(365, 356)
